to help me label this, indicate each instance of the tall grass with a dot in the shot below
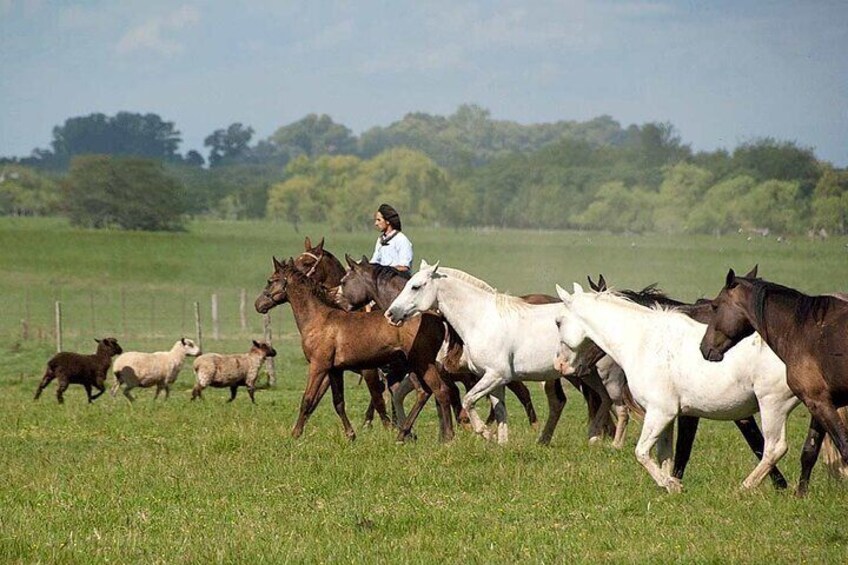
(208, 481)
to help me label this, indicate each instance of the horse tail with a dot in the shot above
(830, 455)
(453, 356)
(631, 403)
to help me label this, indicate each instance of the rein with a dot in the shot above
(315, 264)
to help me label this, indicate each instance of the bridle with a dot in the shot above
(315, 264)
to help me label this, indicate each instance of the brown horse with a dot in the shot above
(808, 333)
(366, 282)
(687, 426)
(334, 341)
(324, 268)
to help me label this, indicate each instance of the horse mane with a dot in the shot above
(318, 290)
(806, 306)
(651, 295)
(387, 272)
(503, 301)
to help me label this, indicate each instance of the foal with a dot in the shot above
(334, 341)
(808, 333)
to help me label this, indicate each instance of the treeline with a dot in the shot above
(461, 170)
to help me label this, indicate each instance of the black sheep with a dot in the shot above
(86, 370)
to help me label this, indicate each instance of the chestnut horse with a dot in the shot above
(324, 268)
(808, 333)
(334, 341)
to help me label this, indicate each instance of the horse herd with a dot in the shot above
(757, 347)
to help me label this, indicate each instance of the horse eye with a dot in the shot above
(416, 287)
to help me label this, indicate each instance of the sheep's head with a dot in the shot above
(275, 291)
(108, 345)
(189, 347)
(263, 348)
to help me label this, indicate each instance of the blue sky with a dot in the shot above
(722, 72)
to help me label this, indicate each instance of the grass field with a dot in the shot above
(213, 482)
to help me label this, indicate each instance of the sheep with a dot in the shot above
(216, 370)
(76, 368)
(136, 369)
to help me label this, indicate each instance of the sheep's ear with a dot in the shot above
(577, 288)
(752, 274)
(256, 343)
(563, 295)
(182, 340)
(97, 340)
(307, 243)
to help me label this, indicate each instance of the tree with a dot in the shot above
(718, 212)
(228, 145)
(618, 208)
(25, 192)
(125, 192)
(773, 204)
(830, 202)
(313, 136)
(682, 188)
(767, 158)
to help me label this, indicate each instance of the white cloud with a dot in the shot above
(156, 33)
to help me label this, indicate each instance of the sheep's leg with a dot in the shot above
(195, 392)
(48, 377)
(61, 388)
(233, 391)
(88, 392)
(131, 398)
(99, 385)
(158, 390)
(251, 388)
(337, 386)
(167, 391)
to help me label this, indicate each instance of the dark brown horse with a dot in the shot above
(808, 333)
(324, 268)
(366, 282)
(687, 426)
(334, 341)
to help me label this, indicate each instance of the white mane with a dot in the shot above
(504, 302)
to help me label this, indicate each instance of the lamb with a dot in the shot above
(136, 369)
(76, 368)
(216, 370)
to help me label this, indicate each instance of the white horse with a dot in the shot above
(505, 338)
(667, 375)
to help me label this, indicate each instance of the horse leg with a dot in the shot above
(483, 387)
(687, 427)
(809, 454)
(773, 447)
(665, 450)
(45, 380)
(596, 428)
(378, 403)
(826, 413)
(456, 400)
(622, 414)
(337, 386)
(556, 403)
(654, 425)
(761, 447)
(522, 393)
(498, 397)
(440, 390)
(405, 429)
(400, 390)
(316, 385)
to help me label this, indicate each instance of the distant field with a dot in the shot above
(207, 481)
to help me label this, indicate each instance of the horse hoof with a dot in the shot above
(673, 485)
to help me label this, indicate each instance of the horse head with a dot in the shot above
(355, 286)
(732, 316)
(275, 291)
(319, 264)
(420, 293)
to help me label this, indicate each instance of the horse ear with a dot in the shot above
(364, 260)
(307, 243)
(730, 278)
(277, 264)
(563, 295)
(592, 285)
(578, 289)
(602, 283)
(752, 274)
(320, 245)
(423, 265)
(350, 262)
(436, 267)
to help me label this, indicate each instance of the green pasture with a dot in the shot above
(207, 481)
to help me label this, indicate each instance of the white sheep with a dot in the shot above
(216, 370)
(137, 369)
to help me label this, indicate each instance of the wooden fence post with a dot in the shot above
(269, 362)
(58, 308)
(197, 328)
(215, 330)
(243, 310)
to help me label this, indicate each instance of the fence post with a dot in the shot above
(24, 330)
(124, 311)
(58, 307)
(243, 310)
(197, 329)
(215, 333)
(269, 362)
(93, 316)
